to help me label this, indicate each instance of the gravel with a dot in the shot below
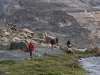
(17, 55)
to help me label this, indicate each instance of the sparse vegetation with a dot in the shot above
(63, 64)
(84, 54)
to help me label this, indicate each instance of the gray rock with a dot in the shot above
(19, 45)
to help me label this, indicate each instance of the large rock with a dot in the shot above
(47, 37)
(20, 36)
(1, 33)
(16, 39)
(28, 31)
(24, 34)
(92, 48)
(7, 33)
(97, 50)
(20, 45)
(40, 40)
(4, 39)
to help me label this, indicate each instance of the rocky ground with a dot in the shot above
(17, 55)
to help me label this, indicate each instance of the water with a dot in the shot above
(83, 50)
(91, 64)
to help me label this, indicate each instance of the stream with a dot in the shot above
(91, 64)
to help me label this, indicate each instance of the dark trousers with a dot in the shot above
(30, 53)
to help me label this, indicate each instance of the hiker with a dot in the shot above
(56, 41)
(31, 48)
(68, 44)
(52, 42)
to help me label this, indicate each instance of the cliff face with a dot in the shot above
(53, 16)
(76, 3)
(92, 3)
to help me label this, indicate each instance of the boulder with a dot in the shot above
(33, 41)
(11, 26)
(16, 39)
(1, 32)
(28, 31)
(20, 45)
(20, 36)
(27, 41)
(44, 45)
(29, 35)
(24, 34)
(69, 50)
(4, 44)
(90, 48)
(47, 37)
(4, 39)
(7, 33)
(56, 46)
(39, 40)
(97, 50)
(94, 49)
(30, 40)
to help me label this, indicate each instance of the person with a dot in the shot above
(31, 48)
(68, 44)
(56, 41)
(52, 42)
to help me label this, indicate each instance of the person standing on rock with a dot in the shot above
(31, 48)
(52, 42)
(68, 44)
(56, 41)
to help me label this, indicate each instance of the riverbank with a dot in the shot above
(63, 64)
(56, 64)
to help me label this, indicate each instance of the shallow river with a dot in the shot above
(91, 64)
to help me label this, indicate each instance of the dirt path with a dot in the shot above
(17, 55)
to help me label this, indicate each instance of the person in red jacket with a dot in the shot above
(31, 48)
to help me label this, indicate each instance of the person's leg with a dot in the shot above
(52, 46)
(30, 53)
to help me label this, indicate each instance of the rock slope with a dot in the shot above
(51, 16)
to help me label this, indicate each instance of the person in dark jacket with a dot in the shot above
(31, 48)
(68, 44)
(56, 41)
(52, 42)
